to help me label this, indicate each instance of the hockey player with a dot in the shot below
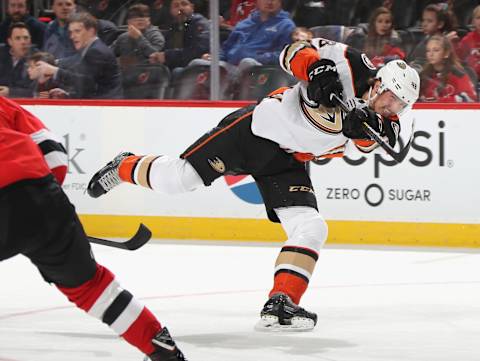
(272, 140)
(38, 221)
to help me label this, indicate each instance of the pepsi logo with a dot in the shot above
(244, 187)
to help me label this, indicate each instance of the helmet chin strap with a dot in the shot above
(371, 99)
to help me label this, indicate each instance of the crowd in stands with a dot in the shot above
(158, 49)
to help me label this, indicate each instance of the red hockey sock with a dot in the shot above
(290, 284)
(103, 298)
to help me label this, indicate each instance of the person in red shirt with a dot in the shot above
(469, 47)
(38, 221)
(443, 78)
(239, 10)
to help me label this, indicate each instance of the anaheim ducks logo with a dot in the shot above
(217, 165)
(328, 120)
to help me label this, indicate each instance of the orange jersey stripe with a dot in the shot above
(301, 61)
(364, 143)
(278, 91)
(216, 134)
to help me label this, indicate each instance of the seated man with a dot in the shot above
(17, 11)
(133, 49)
(257, 40)
(91, 73)
(187, 38)
(261, 36)
(14, 80)
(57, 40)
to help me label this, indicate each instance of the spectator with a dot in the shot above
(443, 78)
(257, 40)
(43, 86)
(133, 49)
(404, 11)
(382, 42)
(187, 38)
(103, 11)
(437, 19)
(239, 10)
(14, 80)
(301, 33)
(57, 40)
(261, 36)
(160, 13)
(469, 47)
(460, 8)
(17, 11)
(141, 39)
(93, 72)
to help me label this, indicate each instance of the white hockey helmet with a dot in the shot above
(401, 79)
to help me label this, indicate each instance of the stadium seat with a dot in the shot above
(193, 82)
(258, 81)
(408, 41)
(146, 81)
(331, 32)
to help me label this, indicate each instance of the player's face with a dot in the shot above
(435, 53)
(383, 24)
(80, 35)
(388, 104)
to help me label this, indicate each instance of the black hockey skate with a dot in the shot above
(107, 177)
(165, 348)
(281, 314)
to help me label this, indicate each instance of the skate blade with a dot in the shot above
(270, 324)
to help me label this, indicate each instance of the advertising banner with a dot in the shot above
(436, 184)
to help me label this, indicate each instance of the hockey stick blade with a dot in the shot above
(141, 237)
(397, 156)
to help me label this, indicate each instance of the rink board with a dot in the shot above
(431, 199)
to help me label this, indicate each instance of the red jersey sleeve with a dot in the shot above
(15, 117)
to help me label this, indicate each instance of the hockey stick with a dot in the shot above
(142, 236)
(397, 156)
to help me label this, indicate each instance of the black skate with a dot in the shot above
(107, 177)
(281, 314)
(165, 348)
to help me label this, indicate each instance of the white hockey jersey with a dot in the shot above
(297, 124)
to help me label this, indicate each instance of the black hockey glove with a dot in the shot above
(323, 81)
(391, 130)
(354, 129)
(352, 123)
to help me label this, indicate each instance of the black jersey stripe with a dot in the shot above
(148, 171)
(292, 272)
(304, 251)
(48, 146)
(117, 307)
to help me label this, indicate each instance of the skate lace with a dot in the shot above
(110, 180)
